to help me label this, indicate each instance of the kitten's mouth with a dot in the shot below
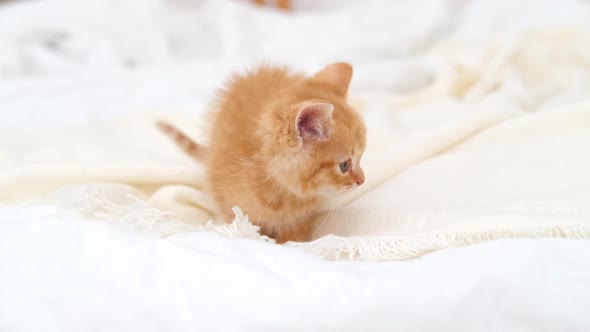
(348, 189)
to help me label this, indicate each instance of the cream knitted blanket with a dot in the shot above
(498, 146)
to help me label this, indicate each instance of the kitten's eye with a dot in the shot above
(344, 166)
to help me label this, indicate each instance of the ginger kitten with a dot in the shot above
(281, 143)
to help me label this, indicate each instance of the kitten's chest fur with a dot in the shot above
(277, 203)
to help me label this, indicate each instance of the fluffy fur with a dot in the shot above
(281, 143)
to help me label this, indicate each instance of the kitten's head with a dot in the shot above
(322, 138)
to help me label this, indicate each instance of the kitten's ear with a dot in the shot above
(337, 75)
(314, 121)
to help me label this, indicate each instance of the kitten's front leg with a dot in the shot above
(300, 232)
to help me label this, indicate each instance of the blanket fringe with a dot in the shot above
(334, 247)
(124, 205)
(129, 208)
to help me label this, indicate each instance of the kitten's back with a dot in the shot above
(236, 167)
(240, 107)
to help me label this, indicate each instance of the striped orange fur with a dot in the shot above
(187, 144)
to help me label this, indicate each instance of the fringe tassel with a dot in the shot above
(130, 209)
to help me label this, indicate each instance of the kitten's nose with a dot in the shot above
(359, 177)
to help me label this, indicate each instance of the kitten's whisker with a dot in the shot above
(317, 229)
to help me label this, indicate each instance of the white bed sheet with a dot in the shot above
(76, 275)
(71, 274)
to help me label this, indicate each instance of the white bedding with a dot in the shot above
(75, 275)
(69, 274)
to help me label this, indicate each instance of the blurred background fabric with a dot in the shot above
(45, 38)
(478, 131)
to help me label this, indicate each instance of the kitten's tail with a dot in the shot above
(187, 144)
